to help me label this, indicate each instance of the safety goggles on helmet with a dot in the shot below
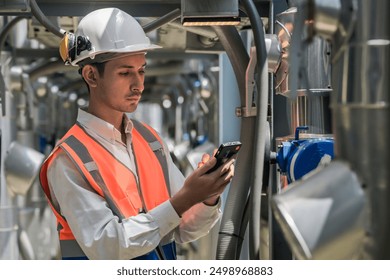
(71, 46)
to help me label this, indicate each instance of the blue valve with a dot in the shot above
(298, 157)
(298, 129)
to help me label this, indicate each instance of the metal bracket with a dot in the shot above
(249, 110)
(297, 46)
(29, 90)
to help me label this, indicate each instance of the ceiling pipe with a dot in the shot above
(48, 68)
(162, 21)
(7, 28)
(40, 16)
(3, 36)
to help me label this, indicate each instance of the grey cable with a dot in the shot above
(38, 14)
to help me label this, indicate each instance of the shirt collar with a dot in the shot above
(103, 128)
(128, 124)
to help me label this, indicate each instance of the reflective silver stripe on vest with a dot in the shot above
(156, 147)
(158, 150)
(88, 161)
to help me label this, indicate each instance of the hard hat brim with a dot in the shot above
(107, 55)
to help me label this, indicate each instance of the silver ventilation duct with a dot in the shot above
(360, 111)
(361, 116)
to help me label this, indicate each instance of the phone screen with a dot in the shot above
(225, 152)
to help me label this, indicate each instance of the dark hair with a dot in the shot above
(99, 66)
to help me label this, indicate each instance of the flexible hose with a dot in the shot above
(234, 219)
(261, 126)
(7, 28)
(36, 11)
(161, 21)
(238, 56)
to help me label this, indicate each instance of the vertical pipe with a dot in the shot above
(260, 128)
(3, 36)
(8, 210)
(361, 117)
(232, 226)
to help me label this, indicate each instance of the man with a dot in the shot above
(110, 180)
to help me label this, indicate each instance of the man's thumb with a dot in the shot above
(208, 165)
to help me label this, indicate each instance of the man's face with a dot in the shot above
(121, 85)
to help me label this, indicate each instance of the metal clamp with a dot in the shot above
(249, 110)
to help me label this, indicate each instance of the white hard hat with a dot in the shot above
(108, 31)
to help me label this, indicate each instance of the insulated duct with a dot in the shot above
(310, 104)
(361, 116)
(314, 215)
(360, 111)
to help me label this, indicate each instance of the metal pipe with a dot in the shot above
(7, 28)
(8, 232)
(272, 182)
(361, 116)
(26, 248)
(8, 212)
(48, 68)
(235, 49)
(3, 36)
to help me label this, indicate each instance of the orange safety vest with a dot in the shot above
(112, 180)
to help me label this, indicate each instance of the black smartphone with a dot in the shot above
(225, 152)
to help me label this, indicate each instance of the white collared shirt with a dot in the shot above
(97, 230)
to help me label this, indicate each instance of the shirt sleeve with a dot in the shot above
(199, 219)
(98, 231)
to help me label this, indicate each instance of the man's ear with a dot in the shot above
(90, 74)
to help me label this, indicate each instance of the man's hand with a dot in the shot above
(202, 187)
